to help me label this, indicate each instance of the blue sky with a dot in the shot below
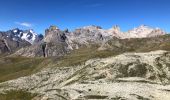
(71, 14)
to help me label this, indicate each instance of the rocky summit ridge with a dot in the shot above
(59, 42)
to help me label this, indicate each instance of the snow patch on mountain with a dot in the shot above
(27, 35)
(15, 31)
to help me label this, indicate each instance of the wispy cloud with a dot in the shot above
(94, 5)
(25, 24)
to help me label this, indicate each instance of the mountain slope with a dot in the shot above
(129, 76)
(12, 40)
(9, 45)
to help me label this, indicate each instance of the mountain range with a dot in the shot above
(13, 40)
(89, 63)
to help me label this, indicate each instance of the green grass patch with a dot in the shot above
(15, 67)
(81, 55)
(17, 95)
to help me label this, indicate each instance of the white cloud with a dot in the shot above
(26, 24)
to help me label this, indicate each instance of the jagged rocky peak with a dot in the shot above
(51, 28)
(53, 44)
(115, 32)
(17, 34)
(141, 29)
(55, 40)
(10, 41)
(88, 30)
(9, 45)
(115, 29)
(144, 31)
(92, 27)
(54, 34)
(88, 33)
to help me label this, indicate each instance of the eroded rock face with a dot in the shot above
(53, 34)
(3, 47)
(91, 34)
(31, 51)
(9, 44)
(130, 76)
(56, 42)
(53, 44)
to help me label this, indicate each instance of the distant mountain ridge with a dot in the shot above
(58, 42)
(142, 31)
(27, 35)
(12, 40)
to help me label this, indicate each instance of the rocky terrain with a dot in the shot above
(89, 63)
(129, 76)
